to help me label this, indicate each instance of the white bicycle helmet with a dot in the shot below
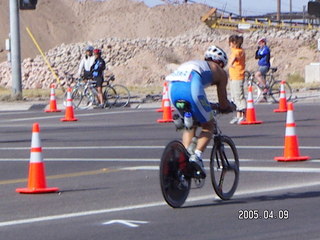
(89, 48)
(215, 53)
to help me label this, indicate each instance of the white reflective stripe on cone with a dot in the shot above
(249, 104)
(166, 103)
(290, 131)
(165, 93)
(69, 96)
(290, 118)
(35, 140)
(36, 157)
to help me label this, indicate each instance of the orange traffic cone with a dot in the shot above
(167, 112)
(53, 102)
(283, 99)
(250, 112)
(165, 93)
(37, 176)
(291, 145)
(69, 115)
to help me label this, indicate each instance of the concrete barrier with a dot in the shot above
(312, 73)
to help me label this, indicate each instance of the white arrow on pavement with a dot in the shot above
(129, 223)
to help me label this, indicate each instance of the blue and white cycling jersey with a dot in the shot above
(183, 72)
(188, 83)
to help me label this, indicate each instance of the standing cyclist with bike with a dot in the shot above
(263, 54)
(97, 70)
(86, 64)
(188, 83)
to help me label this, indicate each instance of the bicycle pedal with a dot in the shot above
(199, 175)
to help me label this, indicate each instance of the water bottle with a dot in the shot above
(192, 146)
(177, 120)
(188, 121)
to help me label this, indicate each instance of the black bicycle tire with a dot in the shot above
(85, 96)
(174, 196)
(216, 152)
(110, 97)
(123, 95)
(275, 91)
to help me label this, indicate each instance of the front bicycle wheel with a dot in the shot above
(175, 181)
(224, 167)
(82, 99)
(275, 91)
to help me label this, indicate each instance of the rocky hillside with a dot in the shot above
(141, 44)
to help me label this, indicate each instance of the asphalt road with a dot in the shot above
(106, 167)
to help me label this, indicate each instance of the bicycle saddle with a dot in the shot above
(110, 77)
(273, 69)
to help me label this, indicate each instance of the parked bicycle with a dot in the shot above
(176, 172)
(84, 94)
(273, 90)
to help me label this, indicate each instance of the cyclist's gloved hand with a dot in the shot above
(231, 108)
(215, 106)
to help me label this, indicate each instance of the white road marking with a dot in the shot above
(128, 223)
(150, 205)
(242, 169)
(139, 147)
(77, 113)
(157, 160)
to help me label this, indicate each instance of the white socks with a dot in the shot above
(198, 153)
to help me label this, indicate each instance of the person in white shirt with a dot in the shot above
(86, 64)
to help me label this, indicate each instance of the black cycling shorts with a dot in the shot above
(99, 81)
(87, 75)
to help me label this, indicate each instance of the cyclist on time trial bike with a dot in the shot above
(188, 83)
(86, 64)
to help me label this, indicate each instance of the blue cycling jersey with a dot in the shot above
(264, 53)
(97, 68)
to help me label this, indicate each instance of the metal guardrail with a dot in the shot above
(215, 20)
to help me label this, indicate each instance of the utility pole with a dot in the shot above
(240, 8)
(290, 4)
(15, 50)
(279, 10)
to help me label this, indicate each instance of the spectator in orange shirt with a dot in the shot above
(236, 75)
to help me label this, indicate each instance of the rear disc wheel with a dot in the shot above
(174, 178)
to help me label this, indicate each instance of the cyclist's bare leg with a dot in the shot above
(261, 79)
(100, 95)
(187, 137)
(205, 135)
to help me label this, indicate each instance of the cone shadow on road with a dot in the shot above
(84, 189)
(252, 136)
(16, 141)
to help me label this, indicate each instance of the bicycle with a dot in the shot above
(115, 95)
(176, 172)
(273, 90)
(84, 94)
